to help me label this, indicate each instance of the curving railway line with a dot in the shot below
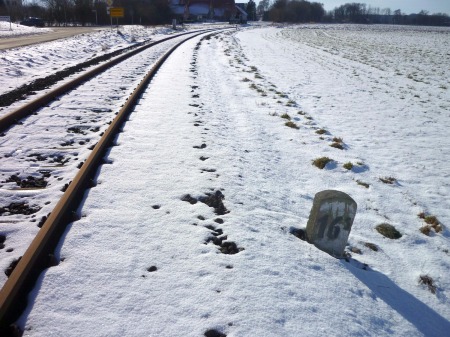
(81, 120)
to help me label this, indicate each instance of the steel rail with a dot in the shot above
(13, 117)
(39, 255)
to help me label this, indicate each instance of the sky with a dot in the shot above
(407, 6)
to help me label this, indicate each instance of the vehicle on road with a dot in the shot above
(33, 22)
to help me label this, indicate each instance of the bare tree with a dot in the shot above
(398, 17)
(386, 11)
(83, 11)
(59, 12)
(263, 6)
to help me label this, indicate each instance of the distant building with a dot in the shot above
(241, 14)
(221, 10)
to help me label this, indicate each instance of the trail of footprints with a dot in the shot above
(217, 236)
(215, 199)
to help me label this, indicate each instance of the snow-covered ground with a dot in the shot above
(220, 126)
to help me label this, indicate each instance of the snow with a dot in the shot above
(349, 80)
(15, 30)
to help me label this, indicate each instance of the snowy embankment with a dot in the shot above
(143, 260)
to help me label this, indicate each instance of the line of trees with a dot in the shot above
(305, 11)
(294, 11)
(86, 12)
(361, 13)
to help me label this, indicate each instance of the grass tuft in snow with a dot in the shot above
(258, 89)
(431, 223)
(338, 143)
(291, 125)
(321, 131)
(428, 281)
(337, 146)
(359, 182)
(388, 231)
(348, 166)
(388, 180)
(371, 246)
(432, 220)
(286, 116)
(321, 162)
(425, 230)
(291, 103)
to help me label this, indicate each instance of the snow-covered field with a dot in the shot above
(381, 93)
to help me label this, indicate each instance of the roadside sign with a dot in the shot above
(117, 12)
(7, 19)
(109, 2)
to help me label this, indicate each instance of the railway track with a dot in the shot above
(80, 122)
(10, 118)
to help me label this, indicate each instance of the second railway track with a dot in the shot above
(42, 154)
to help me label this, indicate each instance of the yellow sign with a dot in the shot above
(109, 2)
(117, 12)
